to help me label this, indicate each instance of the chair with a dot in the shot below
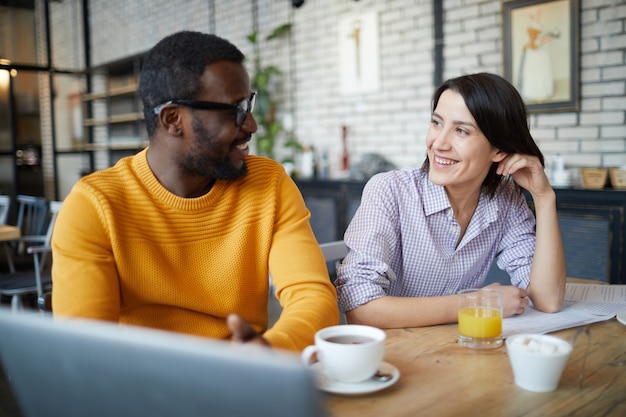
(32, 213)
(333, 252)
(5, 206)
(37, 281)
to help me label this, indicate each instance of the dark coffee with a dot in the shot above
(350, 339)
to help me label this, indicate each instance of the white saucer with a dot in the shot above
(621, 317)
(327, 384)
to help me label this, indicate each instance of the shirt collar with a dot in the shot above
(436, 200)
(435, 197)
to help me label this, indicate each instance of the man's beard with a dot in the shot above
(210, 166)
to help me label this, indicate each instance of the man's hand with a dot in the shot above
(242, 332)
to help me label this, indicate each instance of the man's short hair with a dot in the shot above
(173, 67)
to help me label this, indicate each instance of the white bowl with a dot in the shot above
(537, 360)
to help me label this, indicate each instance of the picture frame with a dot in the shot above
(541, 52)
(359, 54)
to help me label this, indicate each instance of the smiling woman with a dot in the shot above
(459, 154)
(422, 235)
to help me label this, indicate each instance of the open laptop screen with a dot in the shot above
(89, 368)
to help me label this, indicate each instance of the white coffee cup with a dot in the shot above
(349, 352)
(537, 360)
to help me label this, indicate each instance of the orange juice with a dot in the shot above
(480, 322)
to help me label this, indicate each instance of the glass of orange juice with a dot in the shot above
(480, 318)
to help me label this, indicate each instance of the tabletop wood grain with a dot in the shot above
(8, 233)
(438, 377)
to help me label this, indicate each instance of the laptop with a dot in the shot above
(91, 368)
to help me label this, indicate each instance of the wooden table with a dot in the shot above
(8, 233)
(438, 377)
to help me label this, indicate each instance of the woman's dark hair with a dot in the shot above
(500, 113)
(173, 67)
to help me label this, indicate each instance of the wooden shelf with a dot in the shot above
(125, 118)
(92, 147)
(94, 96)
(116, 123)
(117, 118)
(125, 90)
(129, 89)
(94, 122)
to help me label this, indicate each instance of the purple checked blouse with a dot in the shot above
(403, 237)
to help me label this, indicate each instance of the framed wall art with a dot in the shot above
(358, 54)
(540, 47)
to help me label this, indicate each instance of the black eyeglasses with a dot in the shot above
(241, 109)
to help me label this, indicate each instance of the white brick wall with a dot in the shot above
(393, 120)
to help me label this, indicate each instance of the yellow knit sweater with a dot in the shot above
(126, 249)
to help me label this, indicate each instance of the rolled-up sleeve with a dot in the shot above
(365, 274)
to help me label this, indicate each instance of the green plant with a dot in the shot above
(265, 111)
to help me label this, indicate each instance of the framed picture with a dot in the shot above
(541, 52)
(358, 54)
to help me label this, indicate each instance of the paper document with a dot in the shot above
(584, 304)
(596, 292)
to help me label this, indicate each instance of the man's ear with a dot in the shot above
(170, 118)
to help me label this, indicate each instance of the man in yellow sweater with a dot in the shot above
(185, 233)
